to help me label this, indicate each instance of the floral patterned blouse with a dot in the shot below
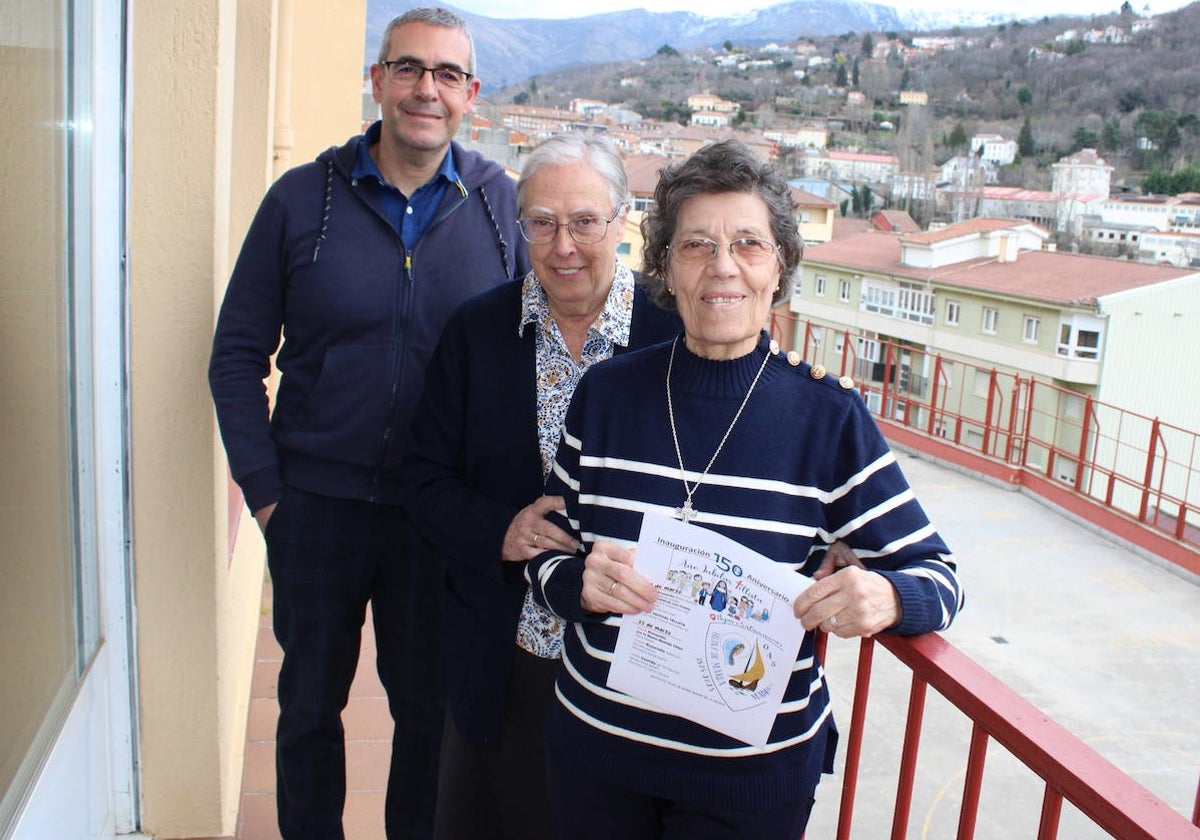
(540, 632)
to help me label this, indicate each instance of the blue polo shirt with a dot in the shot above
(408, 216)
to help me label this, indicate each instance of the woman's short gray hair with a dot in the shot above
(726, 167)
(566, 149)
(433, 17)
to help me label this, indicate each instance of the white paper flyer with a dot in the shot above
(721, 642)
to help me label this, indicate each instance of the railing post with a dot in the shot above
(858, 719)
(972, 783)
(987, 420)
(933, 396)
(1012, 418)
(1051, 812)
(1083, 456)
(1196, 809)
(1147, 481)
(908, 757)
(885, 408)
(1027, 426)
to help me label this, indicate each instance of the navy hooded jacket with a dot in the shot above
(323, 269)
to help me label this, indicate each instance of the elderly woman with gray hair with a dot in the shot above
(484, 437)
(720, 429)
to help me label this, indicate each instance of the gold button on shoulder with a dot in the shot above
(774, 347)
(846, 382)
(817, 372)
(793, 358)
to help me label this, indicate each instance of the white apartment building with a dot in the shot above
(994, 148)
(989, 292)
(853, 167)
(1084, 172)
(710, 119)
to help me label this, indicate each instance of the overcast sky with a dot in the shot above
(722, 8)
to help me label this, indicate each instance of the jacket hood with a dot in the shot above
(475, 174)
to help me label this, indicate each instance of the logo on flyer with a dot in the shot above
(739, 664)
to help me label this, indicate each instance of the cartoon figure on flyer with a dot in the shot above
(720, 596)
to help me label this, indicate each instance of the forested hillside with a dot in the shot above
(1137, 102)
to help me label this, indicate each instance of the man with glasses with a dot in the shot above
(358, 259)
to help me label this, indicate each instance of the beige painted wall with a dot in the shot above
(203, 123)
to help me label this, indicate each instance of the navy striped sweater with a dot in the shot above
(804, 466)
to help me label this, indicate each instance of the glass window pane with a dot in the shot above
(39, 606)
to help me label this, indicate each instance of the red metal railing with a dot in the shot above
(1055, 440)
(1069, 769)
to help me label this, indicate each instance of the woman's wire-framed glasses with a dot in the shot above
(585, 230)
(749, 250)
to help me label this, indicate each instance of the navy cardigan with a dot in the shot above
(473, 466)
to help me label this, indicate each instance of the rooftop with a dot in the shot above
(1048, 276)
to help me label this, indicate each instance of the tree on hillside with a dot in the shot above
(1161, 129)
(668, 51)
(868, 45)
(958, 138)
(1084, 138)
(1184, 180)
(1024, 95)
(1025, 140)
(1111, 139)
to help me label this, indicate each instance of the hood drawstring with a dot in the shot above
(504, 255)
(325, 211)
(508, 272)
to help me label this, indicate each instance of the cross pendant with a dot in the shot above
(687, 513)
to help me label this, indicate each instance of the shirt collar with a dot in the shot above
(614, 319)
(365, 166)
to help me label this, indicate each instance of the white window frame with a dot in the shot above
(879, 298)
(89, 784)
(1031, 327)
(844, 291)
(953, 313)
(1080, 336)
(915, 303)
(991, 317)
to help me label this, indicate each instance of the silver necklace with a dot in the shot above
(685, 511)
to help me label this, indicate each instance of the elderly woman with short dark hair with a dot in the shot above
(720, 429)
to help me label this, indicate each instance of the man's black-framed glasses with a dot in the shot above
(408, 74)
(585, 230)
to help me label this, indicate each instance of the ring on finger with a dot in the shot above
(613, 588)
(833, 622)
(536, 537)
